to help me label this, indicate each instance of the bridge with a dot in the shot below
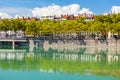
(13, 41)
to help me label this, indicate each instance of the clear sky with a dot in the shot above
(25, 7)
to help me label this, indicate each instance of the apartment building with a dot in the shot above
(61, 18)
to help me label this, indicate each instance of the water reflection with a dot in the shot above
(80, 60)
(82, 54)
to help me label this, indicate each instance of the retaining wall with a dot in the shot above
(115, 43)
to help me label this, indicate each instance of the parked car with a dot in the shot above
(3, 34)
(19, 34)
(10, 34)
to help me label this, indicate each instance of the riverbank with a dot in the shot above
(73, 43)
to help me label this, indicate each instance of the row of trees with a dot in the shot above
(101, 24)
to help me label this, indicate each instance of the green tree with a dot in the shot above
(4, 24)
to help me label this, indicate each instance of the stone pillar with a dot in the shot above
(31, 45)
(109, 35)
(13, 45)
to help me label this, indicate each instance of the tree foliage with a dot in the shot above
(101, 23)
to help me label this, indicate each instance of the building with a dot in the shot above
(61, 18)
(47, 17)
(87, 16)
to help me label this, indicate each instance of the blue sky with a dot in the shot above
(14, 7)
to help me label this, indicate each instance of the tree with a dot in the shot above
(30, 27)
(4, 24)
(116, 28)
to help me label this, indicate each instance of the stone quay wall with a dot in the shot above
(102, 43)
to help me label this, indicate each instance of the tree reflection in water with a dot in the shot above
(82, 60)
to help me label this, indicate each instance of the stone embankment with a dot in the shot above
(74, 43)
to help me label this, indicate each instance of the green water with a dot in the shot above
(45, 63)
